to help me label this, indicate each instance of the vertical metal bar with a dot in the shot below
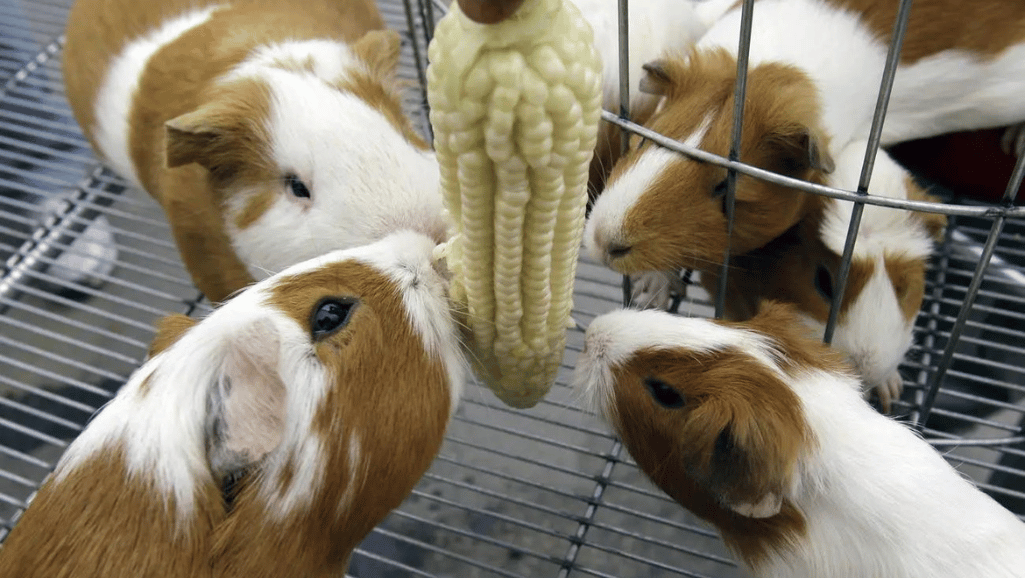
(739, 95)
(973, 290)
(427, 10)
(932, 325)
(875, 134)
(421, 64)
(579, 538)
(624, 107)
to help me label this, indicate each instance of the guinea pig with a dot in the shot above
(265, 440)
(886, 283)
(662, 211)
(761, 430)
(269, 132)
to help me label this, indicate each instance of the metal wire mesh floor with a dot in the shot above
(543, 492)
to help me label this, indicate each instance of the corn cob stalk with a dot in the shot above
(515, 109)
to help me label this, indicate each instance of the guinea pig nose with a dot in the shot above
(616, 251)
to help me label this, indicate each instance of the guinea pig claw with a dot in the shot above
(1013, 140)
(654, 289)
(890, 390)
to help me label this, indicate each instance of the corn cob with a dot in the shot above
(515, 109)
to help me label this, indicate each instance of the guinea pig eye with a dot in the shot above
(663, 393)
(330, 315)
(297, 187)
(824, 282)
(720, 189)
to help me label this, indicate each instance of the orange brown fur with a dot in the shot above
(169, 330)
(677, 222)
(398, 391)
(986, 27)
(137, 531)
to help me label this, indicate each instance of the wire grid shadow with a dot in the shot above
(89, 266)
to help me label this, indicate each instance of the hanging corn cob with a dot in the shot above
(515, 109)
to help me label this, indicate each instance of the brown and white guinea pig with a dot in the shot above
(270, 132)
(662, 211)
(886, 283)
(265, 440)
(759, 429)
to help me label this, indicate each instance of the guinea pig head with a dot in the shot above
(705, 410)
(663, 211)
(308, 150)
(335, 400)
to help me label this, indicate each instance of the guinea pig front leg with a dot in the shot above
(888, 391)
(200, 235)
(654, 289)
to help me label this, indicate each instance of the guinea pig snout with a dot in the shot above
(606, 244)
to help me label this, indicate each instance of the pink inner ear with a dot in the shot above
(252, 397)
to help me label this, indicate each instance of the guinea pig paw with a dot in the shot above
(890, 390)
(653, 289)
(1013, 140)
(767, 507)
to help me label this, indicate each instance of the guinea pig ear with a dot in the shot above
(935, 223)
(216, 134)
(191, 137)
(246, 403)
(736, 470)
(380, 50)
(169, 331)
(657, 78)
(799, 148)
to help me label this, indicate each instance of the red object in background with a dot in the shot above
(970, 164)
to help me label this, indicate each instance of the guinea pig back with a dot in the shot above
(664, 211)
(267, 439)
(247, 121)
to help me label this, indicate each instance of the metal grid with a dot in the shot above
(543, 492)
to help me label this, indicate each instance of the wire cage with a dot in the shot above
(89, 266)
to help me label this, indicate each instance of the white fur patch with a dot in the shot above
(115, 98)
(331, 59)
(657, 27)
(365, 179)
(868, 510)
(956, 90)
(875, 334)
(883, 231)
